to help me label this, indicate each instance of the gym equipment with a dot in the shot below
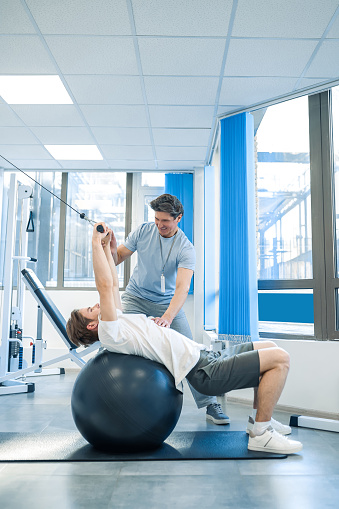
(182, 445)
(12, 364)
(125, 403)
(11, 343)
(303, 421)
(8, 382)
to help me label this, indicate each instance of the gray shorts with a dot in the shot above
(216, 373)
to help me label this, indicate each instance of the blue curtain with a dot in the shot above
(209, 249)
(238, 300)
(181, 186)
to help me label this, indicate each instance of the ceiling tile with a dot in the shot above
(106, 89)
(16, 135)
(174, 17)
(309, 82)
(8, 117)
(178, 165)
(131, 165)
(180, 153)
(48, 114)
(254, 90)
(268, 57)
(127, 152)
(334, 30)
(222, 110)
(13, 10)
(326, 62)
(181, 116)
(115, 116)
(24, 55)
(181, 56)
(24, 152)
(26, 164)
(181, 90)
(93, 54)
(274, 18)
(122, 136)
(181, 137)
(64, 135)
(84, 165)
(78, 17)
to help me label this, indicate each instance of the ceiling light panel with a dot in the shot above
(74, 152)
(33, 90)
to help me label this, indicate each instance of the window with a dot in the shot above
(335, 125)
(153, 185)
(102, 197)
(283, 183)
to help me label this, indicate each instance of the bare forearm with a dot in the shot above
(115, 277)
(178, 300)
(102, 270)
(111, 263)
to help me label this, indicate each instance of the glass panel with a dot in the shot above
(335, 119)
(43, 242)
(153, 179)
(286, 312)
(283, 186)
(102, 197)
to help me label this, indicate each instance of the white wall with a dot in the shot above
(313, 381)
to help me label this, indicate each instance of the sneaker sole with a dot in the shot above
(281, 433)
(217, 421)
(291, 450)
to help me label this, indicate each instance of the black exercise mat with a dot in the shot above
(70, 446)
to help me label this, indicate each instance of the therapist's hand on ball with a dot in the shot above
(162, 321)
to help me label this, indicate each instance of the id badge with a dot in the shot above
(162, 283)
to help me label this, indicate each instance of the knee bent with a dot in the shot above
(283, 358)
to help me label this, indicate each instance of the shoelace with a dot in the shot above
(217, 408)
(274, 433)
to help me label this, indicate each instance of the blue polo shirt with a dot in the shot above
(145, 281)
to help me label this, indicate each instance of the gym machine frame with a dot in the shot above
(12, 315)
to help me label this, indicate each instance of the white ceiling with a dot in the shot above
(149, 78)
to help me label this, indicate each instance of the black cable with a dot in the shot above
(81, 214)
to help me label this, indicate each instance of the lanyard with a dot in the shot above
(162, 272)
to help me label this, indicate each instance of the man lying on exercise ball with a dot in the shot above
(261, 365)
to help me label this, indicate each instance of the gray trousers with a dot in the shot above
(132, 304)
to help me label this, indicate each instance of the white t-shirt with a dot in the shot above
(139, 335)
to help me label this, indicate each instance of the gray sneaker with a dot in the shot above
(215, 414)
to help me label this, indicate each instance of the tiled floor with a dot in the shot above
(309, 480)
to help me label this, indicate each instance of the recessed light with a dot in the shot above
(74, 152)
(33, 90)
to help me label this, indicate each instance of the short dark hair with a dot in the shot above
(167, 203)
(77, 331)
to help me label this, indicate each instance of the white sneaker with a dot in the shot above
(271, 441)
(278, 426)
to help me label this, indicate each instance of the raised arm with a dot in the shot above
(103, 276)
(119, 254)
(106, 243)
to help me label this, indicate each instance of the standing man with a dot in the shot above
(161, 279)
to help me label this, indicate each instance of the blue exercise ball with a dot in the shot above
(125, 403)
